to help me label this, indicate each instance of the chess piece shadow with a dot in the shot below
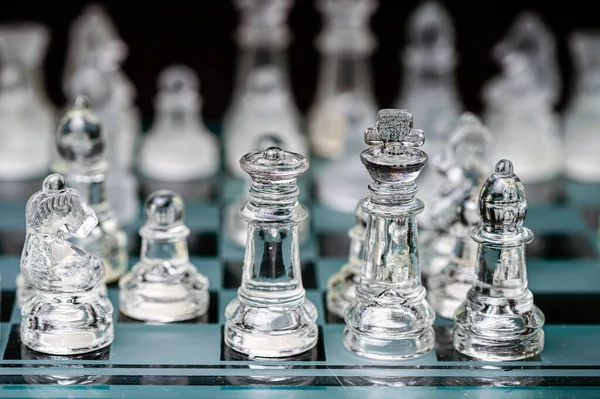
(66, 379)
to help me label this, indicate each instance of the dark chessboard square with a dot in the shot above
(210, 317)
(591, 215)
(11, 243)
(561, 246)
(333, 245)
(315, 354)
(134, 243)
(569, 308)
(6, 305)
(203, 243)
(232, 276)
(15, 350)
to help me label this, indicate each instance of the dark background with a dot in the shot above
(200, 33)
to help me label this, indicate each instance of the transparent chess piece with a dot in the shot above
(179, 147)
(93, 68)
(390, 319)
(455, 214)
(498, 320)
(345, 104)
(271, 317)
(429, 88)
(520, 102)
(342, 284)
(27, 117)
(164, 286)
(236, 228)
(80, 143)
(262, 98)
(67, 313)
(581, 119)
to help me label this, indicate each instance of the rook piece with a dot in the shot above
(67, 314)
(271, 316)
(164, 286)
(390, 318)
(454, 214)
(341, 286)
(498, 321)
(179, 147)
(262, 99)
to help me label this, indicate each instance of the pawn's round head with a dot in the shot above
(502, 202)
(164, 209)
(79, 137)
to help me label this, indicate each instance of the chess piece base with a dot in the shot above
(163, 302)
(510, 329)
(273, 331)
(340, 289)
(67, 328)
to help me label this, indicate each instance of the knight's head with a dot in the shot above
(58, 210)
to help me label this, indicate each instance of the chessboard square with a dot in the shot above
(577, 277)
(5, 329)
(550, 218)
(9, 268)
(571, 345)
(6, 304)
(12, 242)
(12, 216)
(562, 245)
(202, 217)
(583, 193)
(569, 308)
(174, 344)
(333, 244)
(331, 221)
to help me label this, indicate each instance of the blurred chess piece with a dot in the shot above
(179, 147)
(582, 116)
(429, 86)
(345, 104)
(520, 102)
(27, 117)
(262, 99)
(93, 68)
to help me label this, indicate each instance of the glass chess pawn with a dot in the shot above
(498, 321)
(581, 118)
(262, 99)
(455, 213)
(67, 314)
(341, 285)
(390, 319)
(164, 286)
(271, 317)
(345, 103)
(179, 147)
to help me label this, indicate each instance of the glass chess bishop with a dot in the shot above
(271, 317)
(67, 314)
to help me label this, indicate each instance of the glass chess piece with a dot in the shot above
(498, 320)
(581, 118)
(520, 102)
(429, 88)
(342, 284)
(96, 53)
(27, 117)
(179, 147)
(262, 98)
(455, 214)
(271, 317)
(164, 286)
(345, 103)
(390, 319)
(67, 313)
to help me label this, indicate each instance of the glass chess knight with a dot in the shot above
(67, 314)
(164, 286)
(390, 319)
(271, 316)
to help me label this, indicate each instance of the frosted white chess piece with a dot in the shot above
(429, 87)
(27, 117)
(389, 318)
(179, 147)
(345, 104)
(582, 119)
(271, 317)
(262, 99)
(520, 103)
(164, 286)
(454, 214)
(67, 314)
(498, 321)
